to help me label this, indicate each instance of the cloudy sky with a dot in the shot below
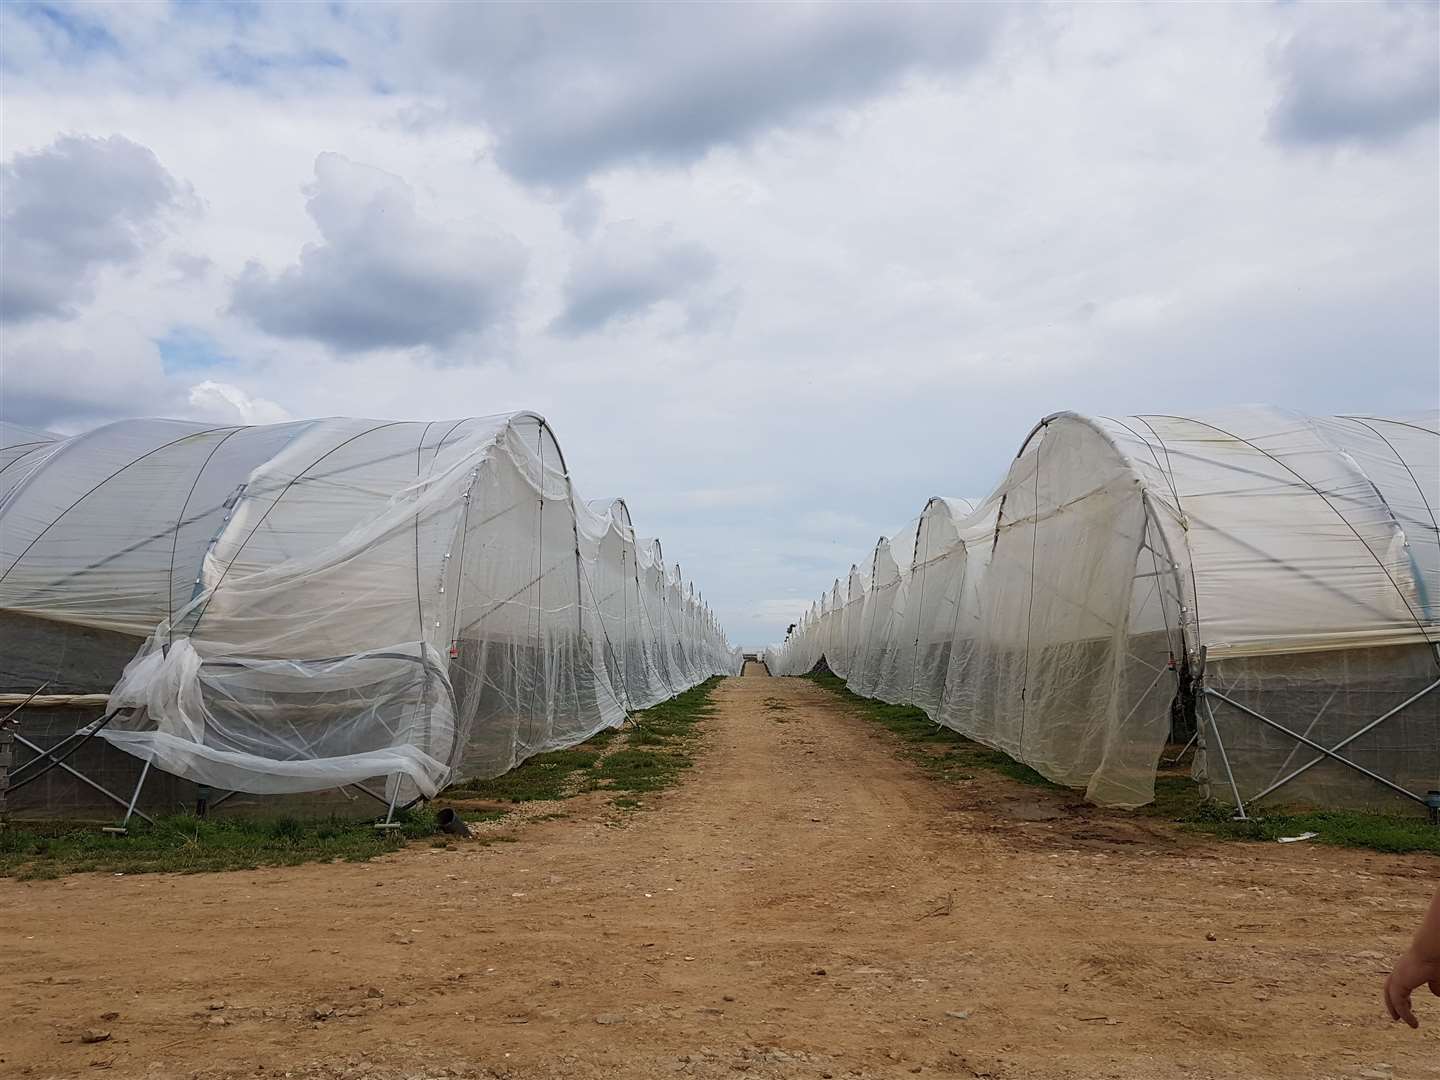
(775, 274)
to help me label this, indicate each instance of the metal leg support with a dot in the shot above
(1224, 757)
(1183, 749)
(1323, 750)
(390, 822)
(124, 826)
(1347, 741)
(82, 777)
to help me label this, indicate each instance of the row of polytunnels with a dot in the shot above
(1258, 586)
(321, 608)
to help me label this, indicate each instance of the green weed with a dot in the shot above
(186, 844)
(954, 758)
(539, 778)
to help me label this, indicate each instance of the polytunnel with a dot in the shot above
(1261, 581)
(877, 611)
(329, 604)
(852, 621)
(929, 600)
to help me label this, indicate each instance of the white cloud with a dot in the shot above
(229, 404)
(1358, 74)
(630, 270)
(383, 277)
(53, 379)
(78, 206)
(572, 90)
(1095, 211)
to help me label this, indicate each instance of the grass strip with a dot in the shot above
(936, 749)
(540, 778)
(952, 757)
(652, 755)
(186, 844)
(658, 750)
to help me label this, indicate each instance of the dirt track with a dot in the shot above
(805, 905)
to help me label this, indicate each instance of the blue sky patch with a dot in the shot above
(75, 37)
(186, 349)
(246, 68)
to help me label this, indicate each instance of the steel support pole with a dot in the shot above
(1314, 746)
(135, 798)
(80, 776)
(1183, 749)
(390, 822)
(1220, 744)
(1348, 740)
(78, 733)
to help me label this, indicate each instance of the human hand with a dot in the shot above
(1411, 971)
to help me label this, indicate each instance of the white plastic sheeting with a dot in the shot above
(19, 445)
(328, 601)
(1285, 568)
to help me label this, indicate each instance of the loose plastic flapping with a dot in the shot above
(328, 601)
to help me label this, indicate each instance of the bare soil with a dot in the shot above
(805, 904)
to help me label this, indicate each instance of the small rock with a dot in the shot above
(94, 1035)
(110, 1016)
(218, 1021)
(1210, 936)
(322, 1012)
(727, 997)
(955, 1014)
(817, 971)
(215, 1006)
(609, 1018)
(374, 992)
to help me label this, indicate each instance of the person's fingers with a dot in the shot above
(1397, 1000)
(1406, 1012)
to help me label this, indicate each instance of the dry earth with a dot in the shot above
(806, 904)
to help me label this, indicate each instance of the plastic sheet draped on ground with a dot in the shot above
(327, 601)
(1265, 580)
